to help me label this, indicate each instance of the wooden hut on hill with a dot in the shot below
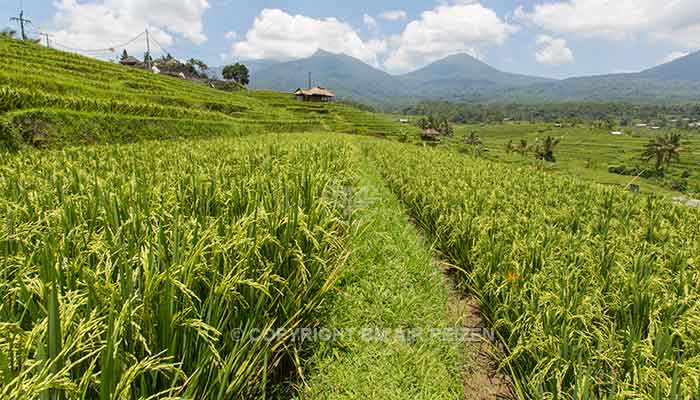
(130, 61)
(317, 94)
(431, 135)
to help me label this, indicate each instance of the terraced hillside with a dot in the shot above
(56, 98)
(588, 152)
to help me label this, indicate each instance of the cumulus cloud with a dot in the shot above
(393, 15)
(676, 21)
(101, 23)
(553, 51)
(280, 36)
(447, 30)
(370, 22)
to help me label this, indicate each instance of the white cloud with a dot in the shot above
(101, 23)
(394, 15)
(277, 35)
(370, 22)
(231, 35)
(447, 30)
(553, 51)
(676, 21)
(674, 56)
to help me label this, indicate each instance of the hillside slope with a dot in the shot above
(682, 69)
(53, 98)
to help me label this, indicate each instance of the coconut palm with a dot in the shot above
(510, 147)
(473, 140)
(674, 147)
(544, 150)
(523, 148)
(663, 149)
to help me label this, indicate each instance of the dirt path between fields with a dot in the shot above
(479, 367)
(479, 370)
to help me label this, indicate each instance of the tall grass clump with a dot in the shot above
(133, 271)
(594, 292)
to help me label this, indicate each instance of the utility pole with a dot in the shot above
(46, 36)
(21, 21)
(309, 80)
(148, 51)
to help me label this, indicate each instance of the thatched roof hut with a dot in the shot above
(317, 94)
(130, 60)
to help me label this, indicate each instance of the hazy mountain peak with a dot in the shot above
(682, 69)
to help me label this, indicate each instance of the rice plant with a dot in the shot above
(132, 271)
(594, 292)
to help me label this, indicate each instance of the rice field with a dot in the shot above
(594, 292)
(147, 224)
(125, 270)
(55, 99)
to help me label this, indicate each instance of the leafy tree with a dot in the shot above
(237, 72)
(164, 58)
(544, 150)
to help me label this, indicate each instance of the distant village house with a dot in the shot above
(431, 135)
(317, 94)
(130, 61)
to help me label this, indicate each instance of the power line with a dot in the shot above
(163, 49)
(103, 50)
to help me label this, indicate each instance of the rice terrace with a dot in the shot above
(349, 207)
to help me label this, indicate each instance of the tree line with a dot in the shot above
(604, 114)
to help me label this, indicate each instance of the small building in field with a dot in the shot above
(642, 125)
(431, 135)
(317, 94)
(130, 61)
(616, 133)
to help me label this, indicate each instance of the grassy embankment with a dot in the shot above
(392, 286)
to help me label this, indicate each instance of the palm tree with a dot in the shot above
(655, 149)
(674, 147)
(473, 140)
(663, 149)
(510, 147)
(8, 33)
(545, 150)
(523, 148)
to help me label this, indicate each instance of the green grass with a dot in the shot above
(584, 152)
(390, 282)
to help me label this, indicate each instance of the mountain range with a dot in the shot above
(466, 79)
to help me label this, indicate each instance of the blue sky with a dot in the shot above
(553, 38)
